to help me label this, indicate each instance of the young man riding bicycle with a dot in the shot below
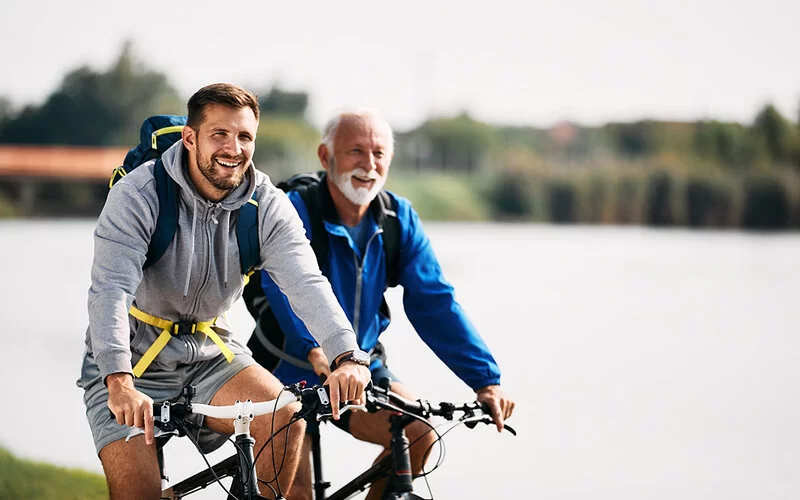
(356, 152)
(166, 322)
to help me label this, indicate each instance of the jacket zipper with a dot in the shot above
(359, 280)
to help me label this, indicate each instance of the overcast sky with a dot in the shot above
(517, 62)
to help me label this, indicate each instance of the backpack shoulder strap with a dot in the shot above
(313, 202)
(167, 220)
(391, 238)
(247, 236)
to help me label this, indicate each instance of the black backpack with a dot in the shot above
(157, 134)
(268, 339)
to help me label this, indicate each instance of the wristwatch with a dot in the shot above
(358, 356)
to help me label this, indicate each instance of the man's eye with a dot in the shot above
(378, 154)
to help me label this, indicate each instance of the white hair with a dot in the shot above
(329, 130)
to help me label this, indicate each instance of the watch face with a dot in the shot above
(361, 357)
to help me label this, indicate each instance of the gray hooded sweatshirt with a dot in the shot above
(198, 278)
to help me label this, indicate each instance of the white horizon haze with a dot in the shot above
(504, 62)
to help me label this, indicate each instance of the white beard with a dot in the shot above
(358, 196)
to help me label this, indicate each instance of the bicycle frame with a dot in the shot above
(396, 466)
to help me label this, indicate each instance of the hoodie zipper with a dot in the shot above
(207, 218)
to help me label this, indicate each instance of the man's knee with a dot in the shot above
(421, 438)
(303, 481)
(131, 469)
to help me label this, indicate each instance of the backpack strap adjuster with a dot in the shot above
(183, 327)
(171, 329)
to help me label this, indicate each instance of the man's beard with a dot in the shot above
(358, 196)
(213, 172)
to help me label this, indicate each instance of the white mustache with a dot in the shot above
(371, 175)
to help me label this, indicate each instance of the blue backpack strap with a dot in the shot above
(167, 221)
(247, 236)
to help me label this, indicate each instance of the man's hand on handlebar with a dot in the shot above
(500, 406)
(347, 383)
(129, 406)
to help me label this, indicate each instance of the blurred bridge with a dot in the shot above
(59, 162)
(50, 180)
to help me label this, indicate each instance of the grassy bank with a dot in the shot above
(32, 480)
(438, 196)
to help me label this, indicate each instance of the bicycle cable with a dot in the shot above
(292, 421)
(240, 451)
(185, 429)
(440, 439)
(285, 449)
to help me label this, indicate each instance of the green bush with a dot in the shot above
(32, 480)
(710, 202)
(767, 204)
(441, 196)
(562, 201)
(661, 204)
(629, 199)
(515, 195)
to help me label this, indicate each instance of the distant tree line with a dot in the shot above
(705, 173)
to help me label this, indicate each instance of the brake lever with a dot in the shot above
(343, 409)
(488, 421)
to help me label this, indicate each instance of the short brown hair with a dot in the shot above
(219, 93)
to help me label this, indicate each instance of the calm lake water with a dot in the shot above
(645, 364)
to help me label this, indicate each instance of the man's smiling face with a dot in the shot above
(361, 158)
(222, 148)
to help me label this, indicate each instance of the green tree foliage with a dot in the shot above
(6, 111)
(709, 202)
(562, 202)
(659, 203)
(458, 143)
(284, 103)
(285, 146)
(636, 139)
(725, 143)
(777, 134)
(767, 204)
(91, 108)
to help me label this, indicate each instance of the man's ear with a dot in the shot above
(189, 137)
(324, 157)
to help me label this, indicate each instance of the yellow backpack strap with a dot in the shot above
(116, 175)
(168, 329)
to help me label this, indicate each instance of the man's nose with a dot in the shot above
(233, 146)
(371, 163)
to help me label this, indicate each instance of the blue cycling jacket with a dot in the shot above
(359, 281)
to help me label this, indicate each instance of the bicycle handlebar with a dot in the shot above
(244, 408)
(316, 404)
(472, 413)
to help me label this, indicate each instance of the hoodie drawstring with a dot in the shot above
(225, 263)
(191, 251)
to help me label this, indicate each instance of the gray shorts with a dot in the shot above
(207, 377)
